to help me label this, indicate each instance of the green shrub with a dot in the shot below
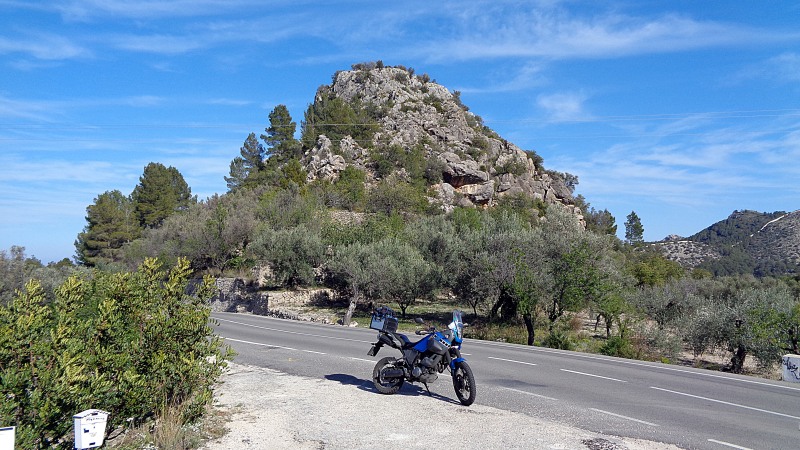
(559, 339)
(126, 343)
(619, 346)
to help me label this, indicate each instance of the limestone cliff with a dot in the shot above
(474, 166)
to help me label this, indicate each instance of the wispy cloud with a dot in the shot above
(563, 106)
(36, 110)
(556, 34)
(783, 68)
(43, 46)
(228, 102)
(522, 77)
(148, 9)
(699, 170)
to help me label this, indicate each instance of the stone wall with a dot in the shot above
(236, 295)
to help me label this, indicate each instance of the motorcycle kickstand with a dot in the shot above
(428, 389)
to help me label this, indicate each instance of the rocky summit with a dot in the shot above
(403, 112)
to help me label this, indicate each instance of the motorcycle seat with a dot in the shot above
(405, 340)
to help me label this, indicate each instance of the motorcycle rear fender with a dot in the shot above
(375, 348)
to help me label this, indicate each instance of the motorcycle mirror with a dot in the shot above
(419, 320)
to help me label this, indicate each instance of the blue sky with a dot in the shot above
(682, 111)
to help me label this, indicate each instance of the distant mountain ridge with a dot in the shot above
(764, 244)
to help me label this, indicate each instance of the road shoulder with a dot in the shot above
(273, 410)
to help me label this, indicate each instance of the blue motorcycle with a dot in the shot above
(423, 360)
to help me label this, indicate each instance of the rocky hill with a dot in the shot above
(746, 242)
(395, 121)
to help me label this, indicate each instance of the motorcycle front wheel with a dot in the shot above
(464, 383)
(384, 384)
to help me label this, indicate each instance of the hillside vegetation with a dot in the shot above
(747, 242)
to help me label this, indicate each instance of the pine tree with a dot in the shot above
(111, 224)
(634, 231)
(246, 169)
(279, 136)
(161, 192)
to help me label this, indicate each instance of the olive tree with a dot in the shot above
(350, 269)
(402, 274)
(292, 253)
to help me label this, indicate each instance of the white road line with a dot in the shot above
(361, 359)
(626, 362)
(291, 332)
(728, 444)
(529, 393)
(726, 403)
(312, 351)
(624, 417)
(511, 360)
(593, 375)
(261, 344)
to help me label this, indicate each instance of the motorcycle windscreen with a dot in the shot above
(457, 327)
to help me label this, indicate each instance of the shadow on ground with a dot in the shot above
(366, 385)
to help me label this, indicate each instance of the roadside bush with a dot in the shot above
(127, 343)
(560, 339)
(619, 346)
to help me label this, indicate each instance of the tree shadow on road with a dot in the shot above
(366, 385)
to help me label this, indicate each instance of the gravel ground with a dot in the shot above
(273, 410)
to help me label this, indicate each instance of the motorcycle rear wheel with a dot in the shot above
(464, 383)
(382, 384)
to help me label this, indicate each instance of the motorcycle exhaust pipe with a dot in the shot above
(392, 373)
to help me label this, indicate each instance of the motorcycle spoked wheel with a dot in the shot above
(386, 385)
(464, 383)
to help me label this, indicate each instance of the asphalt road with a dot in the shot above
(688, 407)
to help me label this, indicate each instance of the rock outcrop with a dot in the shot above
(477, 167)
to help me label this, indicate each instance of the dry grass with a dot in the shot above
(169, 432)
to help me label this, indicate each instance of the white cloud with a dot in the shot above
(43, 46)
(717, 167)
(37, 110)
(556, 33)
(565, 106)
(148, 9)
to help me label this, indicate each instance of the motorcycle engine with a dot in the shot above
(426, 370)
(429, 376)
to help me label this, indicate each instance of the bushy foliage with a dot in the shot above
(291, 253)
(127, 343)
(287, 208)
(393, 197)
(212, 235)
(512, 166)
(653, 269)
(538, 161)
(403, 275)
(17, 269)
(336, 118)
